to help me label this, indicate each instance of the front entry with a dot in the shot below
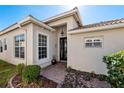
(63, 48)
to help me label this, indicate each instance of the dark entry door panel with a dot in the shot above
(63, 48)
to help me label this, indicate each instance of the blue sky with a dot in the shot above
(89, 14)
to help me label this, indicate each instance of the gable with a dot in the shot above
(71, 17)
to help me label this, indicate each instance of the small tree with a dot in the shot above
(115, 65)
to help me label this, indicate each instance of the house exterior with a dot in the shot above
(63, 37)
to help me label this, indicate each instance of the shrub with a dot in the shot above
(30, 73)
(115, 65)
(19, 68)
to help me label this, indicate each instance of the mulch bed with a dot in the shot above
(43, 83)
(80, 79)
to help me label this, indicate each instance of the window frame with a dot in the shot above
(93, 42)
(19, 46)
(5, 44)
(47, 46)
(1, 46)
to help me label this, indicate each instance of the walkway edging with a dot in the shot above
(10, 82)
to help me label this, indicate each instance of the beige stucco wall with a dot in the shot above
(51, 45)
(70, 23)
(9, 54)
(90, 59)
(31, 32)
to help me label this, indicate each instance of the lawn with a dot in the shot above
(6, 72)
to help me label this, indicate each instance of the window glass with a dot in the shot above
(19, 46)
(1, 48)
(42, 48)
(5, 44)
(93, 42)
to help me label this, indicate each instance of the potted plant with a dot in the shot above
(53, 61)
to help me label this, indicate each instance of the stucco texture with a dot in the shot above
(91, 59)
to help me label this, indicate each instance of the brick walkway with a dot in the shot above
(55, 72)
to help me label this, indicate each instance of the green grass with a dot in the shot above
(6, 72)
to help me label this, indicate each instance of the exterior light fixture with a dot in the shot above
(62, 32)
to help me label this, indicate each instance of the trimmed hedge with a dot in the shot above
(31, 73)
(115, 65)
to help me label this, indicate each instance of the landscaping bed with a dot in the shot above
(42, 83)
(28, 76)
(79, 79)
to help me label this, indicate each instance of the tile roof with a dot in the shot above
(104, 23)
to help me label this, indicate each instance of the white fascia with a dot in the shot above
(96, 29)
(26, 21)
(73, 12)
(33, 20)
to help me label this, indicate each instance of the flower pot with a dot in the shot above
(53, 62)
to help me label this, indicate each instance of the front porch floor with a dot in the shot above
(55, 72)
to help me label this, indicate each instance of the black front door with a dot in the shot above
(63, 48)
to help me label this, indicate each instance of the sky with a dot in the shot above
(89, 14)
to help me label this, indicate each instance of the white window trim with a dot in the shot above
(5, 44)
(47, 58)
(24, 47)
(94, 38)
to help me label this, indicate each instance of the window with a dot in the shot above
(5, 44)
(19, 46)
(1, 48)
(42, 46)
(93, 42)
(97, 43)
(88, 43)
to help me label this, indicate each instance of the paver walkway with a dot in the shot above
(55, 72)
